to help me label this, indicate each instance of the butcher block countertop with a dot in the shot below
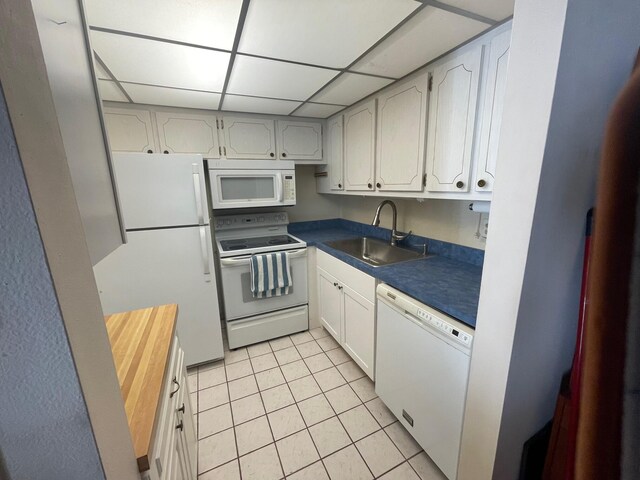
(141, 344)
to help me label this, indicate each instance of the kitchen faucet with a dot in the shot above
(395, 236)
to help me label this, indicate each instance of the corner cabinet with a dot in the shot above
(402, 113)
(492, 116)
(452, 117)
(248, 138)
(346, 303)
(359, 147)
(188, 133)
(299, 140)
(130, 130)
(335, 153)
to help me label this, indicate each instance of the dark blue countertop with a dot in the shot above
(448, 280)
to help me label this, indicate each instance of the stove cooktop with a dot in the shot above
(256, 242)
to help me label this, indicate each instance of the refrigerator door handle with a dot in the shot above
(198, 192)
(205, 254)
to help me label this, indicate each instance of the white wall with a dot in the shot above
(568, 58)
(446, 220)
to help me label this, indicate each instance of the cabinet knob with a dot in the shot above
(180, 425)
(378, 185)
(272, 154)
(181, 409)
(339, 287)
(481, 183)
(149, 151)
(284, 155)
(369, 185)
(335, 284)
(459, 184)
(166, 151)
(339, 185)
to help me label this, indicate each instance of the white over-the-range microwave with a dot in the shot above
(252, 183)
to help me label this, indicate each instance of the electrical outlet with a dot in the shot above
(484, 225)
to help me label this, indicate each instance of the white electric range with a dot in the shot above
(251, 320)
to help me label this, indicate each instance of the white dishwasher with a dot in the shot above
(422, 368)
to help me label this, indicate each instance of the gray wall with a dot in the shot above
(45, 432)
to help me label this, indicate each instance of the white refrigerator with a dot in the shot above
(168, 256)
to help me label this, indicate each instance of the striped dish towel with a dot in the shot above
(270, 275)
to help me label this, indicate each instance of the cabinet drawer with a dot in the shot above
(358, 281)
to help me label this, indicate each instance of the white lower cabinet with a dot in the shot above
(346, 303)
(174, 445)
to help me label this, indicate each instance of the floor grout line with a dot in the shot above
(296, 403)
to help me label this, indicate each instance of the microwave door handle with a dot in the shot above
(280, 188)
(198, 192)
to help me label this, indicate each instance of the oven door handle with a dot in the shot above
(246, 259)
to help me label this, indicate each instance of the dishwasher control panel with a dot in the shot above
(445, 327)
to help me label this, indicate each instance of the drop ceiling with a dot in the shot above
(308, 58)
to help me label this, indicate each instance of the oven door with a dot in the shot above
(236, 287)
(251, 188)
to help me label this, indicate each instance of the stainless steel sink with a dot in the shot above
(374, 252)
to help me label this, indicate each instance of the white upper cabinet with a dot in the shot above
(250, 138)
(188, 133)
(359, 146)
(299, 140)
(452, 115)
(402, 114)
(492, 114)
(335, 153)
(130, 130)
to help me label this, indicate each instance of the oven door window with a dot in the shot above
(234, 188)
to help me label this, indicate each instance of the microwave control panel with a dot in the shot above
(289, 186)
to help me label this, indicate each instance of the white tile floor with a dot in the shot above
(299, 408)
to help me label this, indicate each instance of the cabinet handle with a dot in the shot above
(180, 425)
(272, 154)
(481, 183)
(175, 380)
(149, 151)
(284, 155)
(339, 287)
(460, 184)
(166, 152)
(181, 409)
(339, 185)
(369, 185)
(335, 284)
(378, 185)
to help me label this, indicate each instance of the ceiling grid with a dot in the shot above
(285, 57)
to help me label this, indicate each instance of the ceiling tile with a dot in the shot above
(330, 33)
(426, 36)
(202, 22)
(172, 97)
(268, 78)
(138, 60)
(101, 72)
(495, 9)
(349, 88)
(317, 110)
(235, 103)
(110, 92)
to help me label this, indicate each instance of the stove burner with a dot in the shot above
(278, 241)
(239, 246)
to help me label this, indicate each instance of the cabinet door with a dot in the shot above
(452, 115)
(335, 152)
(129, 130)
(359, 147)
(359, 329)
(330, 303)
(251, 138)
(299, 140)
(491, 121)
(188, 133)
(402, 116)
